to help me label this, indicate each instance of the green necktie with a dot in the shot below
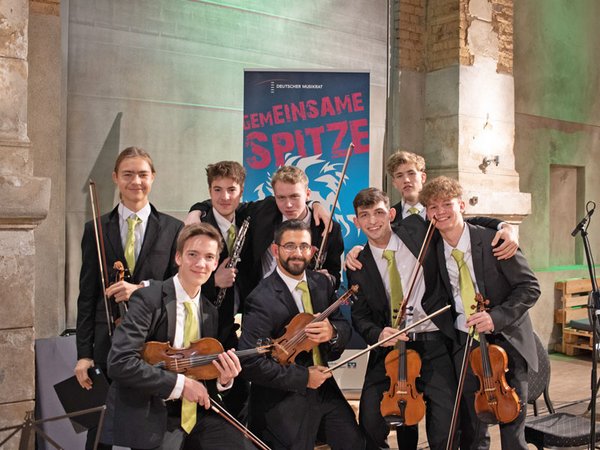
(190, 334)
(303, 286)
(465, 283)
(413, 210)
(230, 238)
(132, 222)
(396, 293)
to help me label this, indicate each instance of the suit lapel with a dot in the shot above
(373, 275)
(407, 239)
(284, 294)
(211, 219)
(113, 235)
(150, 236)
(170, 301)
(477, 256)
(439, 246)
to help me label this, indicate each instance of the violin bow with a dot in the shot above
(416, 271)
(383, 341)
(233, 421)
(459, 388)
(101, 254)
(319, 261)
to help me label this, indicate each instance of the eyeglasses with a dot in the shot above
(291, 247)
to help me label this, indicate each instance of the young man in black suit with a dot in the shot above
(390, 254)
(136, 234)
(172, 311)
(467, 266)
(291, 404)
(226, 186)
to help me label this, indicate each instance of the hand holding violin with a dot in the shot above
(388, 331)
(122, 290)
(228, 366)
(482, 322)
(319, 332)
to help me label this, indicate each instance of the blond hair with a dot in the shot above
(133, 152)
(440, 188)
(290, 175)
(404, 157)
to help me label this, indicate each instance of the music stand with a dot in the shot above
(31, 424)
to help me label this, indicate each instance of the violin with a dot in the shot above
(496, 401)
(294, 340)
(195, 360)
(402, 404)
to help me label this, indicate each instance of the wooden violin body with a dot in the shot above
(194, 361)
(496, 401)
(284, 351)
(402, 404)
(294, 341)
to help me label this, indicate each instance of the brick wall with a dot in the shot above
(410, 34)
(443, 21)
(502, 24)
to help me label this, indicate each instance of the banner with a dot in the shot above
(308, 120)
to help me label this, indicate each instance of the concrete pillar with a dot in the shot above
(469, 104)
(24, 202)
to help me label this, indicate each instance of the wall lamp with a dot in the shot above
(487, 160)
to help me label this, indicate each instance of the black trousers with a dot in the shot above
(474, 434)
(329, 419)
(211, 432)
(438, 385)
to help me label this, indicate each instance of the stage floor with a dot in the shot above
(569, 392)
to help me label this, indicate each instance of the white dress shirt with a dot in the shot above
(405, 262)
(140, 230)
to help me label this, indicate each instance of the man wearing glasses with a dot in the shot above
(291, 404)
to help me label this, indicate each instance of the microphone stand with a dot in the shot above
(594, 309)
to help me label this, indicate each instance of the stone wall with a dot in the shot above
(24, 203)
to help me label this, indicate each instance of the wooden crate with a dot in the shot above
(576, 340)
(573, 302)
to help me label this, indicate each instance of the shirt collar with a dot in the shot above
(222, 222)
(143, 214)
(290, 282)
(393, 244)
(406, 207)
(180, 293)
(464, 243)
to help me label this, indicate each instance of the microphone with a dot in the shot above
(583, 221)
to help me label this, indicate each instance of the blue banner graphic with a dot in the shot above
(308, 119)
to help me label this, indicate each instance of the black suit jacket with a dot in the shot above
(136, 411)
(371, 310)
(510, 285)
(278, 395)
(156, 261)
